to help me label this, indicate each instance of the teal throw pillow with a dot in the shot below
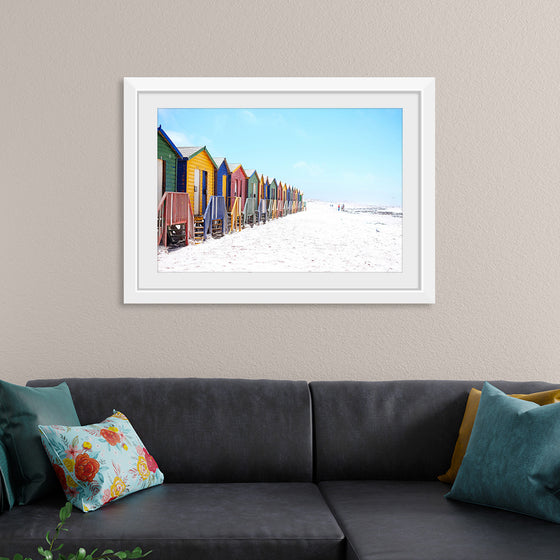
(7, 498)
(21, 410)
(513, 457)
(99, 463)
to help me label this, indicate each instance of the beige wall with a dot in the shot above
(498, 196)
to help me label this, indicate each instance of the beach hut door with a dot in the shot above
(204, 187)
(161, 177)
(196, 192)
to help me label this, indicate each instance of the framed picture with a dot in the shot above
(279, 190)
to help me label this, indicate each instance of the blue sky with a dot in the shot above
(352, 155)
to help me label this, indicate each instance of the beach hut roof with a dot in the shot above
(249, 172)
(191, 151)
(169, 141)
(233, 167)
(220, 160)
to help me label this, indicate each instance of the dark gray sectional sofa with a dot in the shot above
(285, 470)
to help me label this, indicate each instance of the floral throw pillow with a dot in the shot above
(99, 463)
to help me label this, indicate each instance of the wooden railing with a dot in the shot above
(174, 209)
(261, 213)
(216, 209)
(273, 209)
(236, 214)
(250, 210)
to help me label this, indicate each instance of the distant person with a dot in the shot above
(342, 208)
(338, 208)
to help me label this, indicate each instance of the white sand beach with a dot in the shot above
(321, 239)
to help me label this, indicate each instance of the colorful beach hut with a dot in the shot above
(251, 202)
(223, 177)
(262, 199)
(167, 155)
(272, 194)
(238, 195)
(238, 182)
(196, 175)
(280, 199)
(174, 212)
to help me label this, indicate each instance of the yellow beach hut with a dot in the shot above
(196, 175)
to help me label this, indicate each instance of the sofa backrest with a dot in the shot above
(399, 430)
(209, 430)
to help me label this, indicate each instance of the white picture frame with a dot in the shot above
(415, 284)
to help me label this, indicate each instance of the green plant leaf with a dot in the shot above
(104, 553)
(68, 508)
(65, 512)
(18, 557)
(46, 554)
(121, 555)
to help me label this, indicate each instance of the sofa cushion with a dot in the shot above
(100, 463)
(7, 496)
(413, 521)
(276, 521)
(399, 430)
(209, 430)
(21, 410)
(542, 398)
(513, 457)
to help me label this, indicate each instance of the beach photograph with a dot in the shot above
(279, 190)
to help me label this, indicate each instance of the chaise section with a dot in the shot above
(395, 520)
(272, 521)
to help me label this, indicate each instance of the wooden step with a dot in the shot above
(217, 228)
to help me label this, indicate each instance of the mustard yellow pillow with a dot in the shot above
(541, 398)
